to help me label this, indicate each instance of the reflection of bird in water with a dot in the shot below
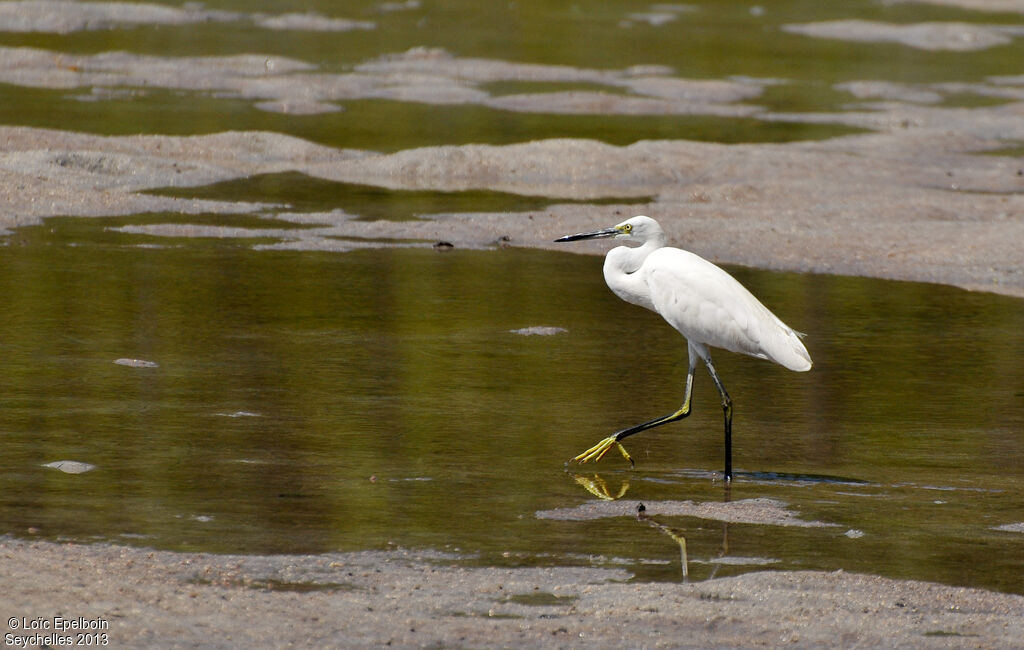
(675, 533)
(704, 303)
(599, 487)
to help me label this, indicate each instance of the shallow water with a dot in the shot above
(197, 394)
(297, 192)
(307, 402)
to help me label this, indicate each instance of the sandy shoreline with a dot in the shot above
(143, 598)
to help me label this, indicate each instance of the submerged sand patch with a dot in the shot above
(757, 511)
(65, 17)
(1007, 6)
(951, 36)
(424, 75)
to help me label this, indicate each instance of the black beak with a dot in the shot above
(607, 232)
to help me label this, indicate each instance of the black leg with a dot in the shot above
(683, 411)
(598, 451)
(727, 412)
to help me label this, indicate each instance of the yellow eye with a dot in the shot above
(628, 228)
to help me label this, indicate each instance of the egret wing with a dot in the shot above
(707, 305)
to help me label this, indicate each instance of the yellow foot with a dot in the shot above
(598, 451)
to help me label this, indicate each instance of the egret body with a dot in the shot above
(703, 303)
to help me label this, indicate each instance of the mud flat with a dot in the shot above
(920, 202)
(929, 191)
(420, 599)
(139, 597)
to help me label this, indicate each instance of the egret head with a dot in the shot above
(639, 228)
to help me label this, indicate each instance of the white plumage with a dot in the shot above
(702, 302)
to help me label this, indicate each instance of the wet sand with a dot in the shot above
(422, 599)
(139, 597)
(919, 204)
(917, 197)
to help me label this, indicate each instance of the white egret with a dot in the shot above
(703, 303)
